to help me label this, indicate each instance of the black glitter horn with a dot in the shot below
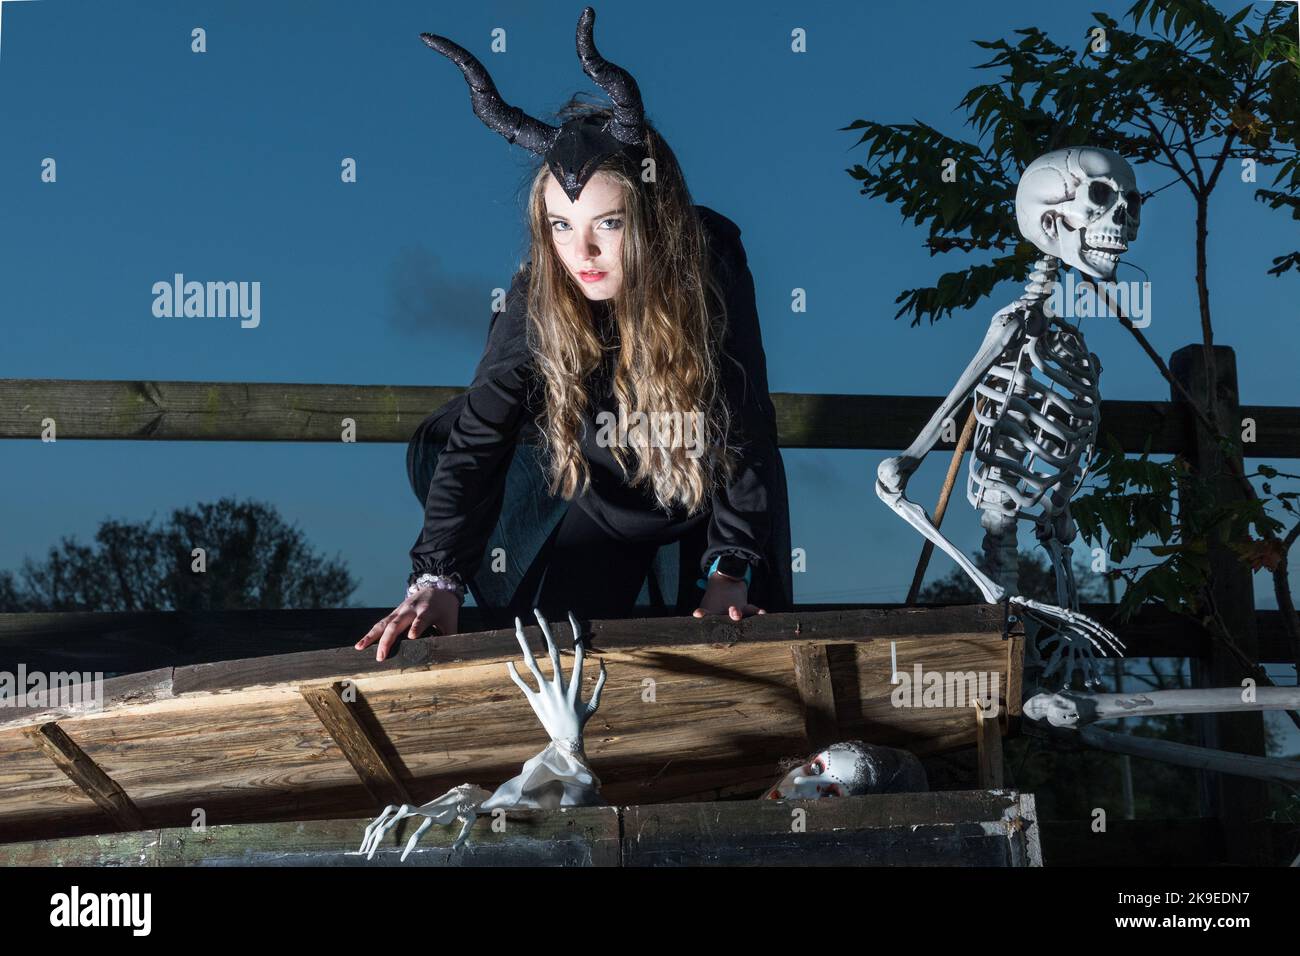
(510, 121)
(628, 124)
(575, 150)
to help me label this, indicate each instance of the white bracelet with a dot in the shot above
(441, 582)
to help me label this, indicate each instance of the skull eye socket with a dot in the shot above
(1100, 193)
(1134, 203)
(817, 767)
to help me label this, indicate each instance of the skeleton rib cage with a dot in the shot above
(1033, 444)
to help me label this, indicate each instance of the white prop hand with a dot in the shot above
(459, 803)
(558, 707)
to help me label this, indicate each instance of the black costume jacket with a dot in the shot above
(488, 427)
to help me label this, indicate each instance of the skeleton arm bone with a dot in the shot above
(893, 473)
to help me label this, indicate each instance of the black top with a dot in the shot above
(464, 496)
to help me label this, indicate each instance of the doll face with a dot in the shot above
(588, 234)
(835, 772)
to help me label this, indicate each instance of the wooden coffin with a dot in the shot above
(692, 709)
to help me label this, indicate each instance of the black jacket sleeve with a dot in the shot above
(465, 494)
(741, 522)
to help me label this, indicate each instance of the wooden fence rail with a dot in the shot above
(271, 411)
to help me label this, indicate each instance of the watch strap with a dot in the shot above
(729, 564)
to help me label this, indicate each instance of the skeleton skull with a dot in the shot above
(1080, 204)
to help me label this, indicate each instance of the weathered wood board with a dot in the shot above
(160, 410)
(692, 710)
(954, 828)
(127, 642)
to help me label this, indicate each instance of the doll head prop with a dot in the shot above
(849, 769)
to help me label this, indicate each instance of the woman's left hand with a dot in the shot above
(724, 595)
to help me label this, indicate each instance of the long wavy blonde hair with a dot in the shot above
(670, 317)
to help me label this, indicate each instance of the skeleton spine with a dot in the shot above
(1042, 277)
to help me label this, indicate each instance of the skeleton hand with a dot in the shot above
(459, 803)
(557, 707)
(1074, 636)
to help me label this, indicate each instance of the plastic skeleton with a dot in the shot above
(1036, 397)
(1071, 713)
(557, 777)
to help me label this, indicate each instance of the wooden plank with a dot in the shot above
(605, 635)
(274, 411)
(360, 745)
(334, 663)
(576, 836)
(86, 774)
(812, 675)
(116, 692)
(946, 828)
(1126, 843)
(1013, 698)
(137, 848)
(988, 740)
(118, 642)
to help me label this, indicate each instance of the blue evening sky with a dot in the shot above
(225, 166)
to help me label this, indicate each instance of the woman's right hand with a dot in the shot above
(428, 606)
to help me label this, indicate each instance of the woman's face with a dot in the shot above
(588, 234)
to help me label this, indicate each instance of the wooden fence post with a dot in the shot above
(1238, 803)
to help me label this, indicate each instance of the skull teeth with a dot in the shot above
(1100, 254)
(1106, 248)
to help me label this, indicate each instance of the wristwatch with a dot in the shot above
(732, 565)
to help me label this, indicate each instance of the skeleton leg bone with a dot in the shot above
(1055, 532)
(1072, 708)
(1069, 715)
(1056, 553)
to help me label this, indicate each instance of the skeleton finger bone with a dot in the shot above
(366, 845)
(415, 837)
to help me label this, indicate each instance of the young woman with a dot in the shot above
(540, 485)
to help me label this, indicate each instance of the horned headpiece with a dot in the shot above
(575, 150)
